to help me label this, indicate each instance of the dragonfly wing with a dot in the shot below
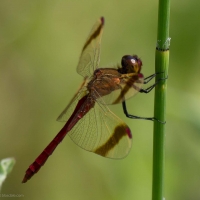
(130, 85)
(90, 55)
(67, 112)
(102, 132)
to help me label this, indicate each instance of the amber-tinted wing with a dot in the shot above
(90, 55)
(129, 85)
(99, 130)
(102, 132)
(67, 112)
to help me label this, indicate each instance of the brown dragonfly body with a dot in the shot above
(89, 122)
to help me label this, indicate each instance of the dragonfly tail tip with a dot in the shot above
(24, 180)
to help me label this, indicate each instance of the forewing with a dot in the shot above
(90, 55)
(130, 85)
(102, 132)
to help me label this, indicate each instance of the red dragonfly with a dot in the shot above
(89, 122)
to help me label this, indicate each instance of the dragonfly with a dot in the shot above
(89, 122)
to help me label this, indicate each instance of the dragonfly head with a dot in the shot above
(130, 64)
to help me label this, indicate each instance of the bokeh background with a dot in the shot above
(40, 44)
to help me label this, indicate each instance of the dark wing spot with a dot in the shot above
(94, 35)
(119, 132)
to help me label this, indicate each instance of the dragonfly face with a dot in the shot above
(89, 122)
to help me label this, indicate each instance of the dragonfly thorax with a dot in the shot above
(104, 81)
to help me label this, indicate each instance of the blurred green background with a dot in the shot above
(40, 44)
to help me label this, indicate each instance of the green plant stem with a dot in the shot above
(161, 65)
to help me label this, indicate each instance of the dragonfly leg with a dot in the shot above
(149, 78)
(137, 117)
(152, 86)
(146, 80)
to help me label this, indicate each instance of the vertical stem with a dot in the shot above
(161, 65)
